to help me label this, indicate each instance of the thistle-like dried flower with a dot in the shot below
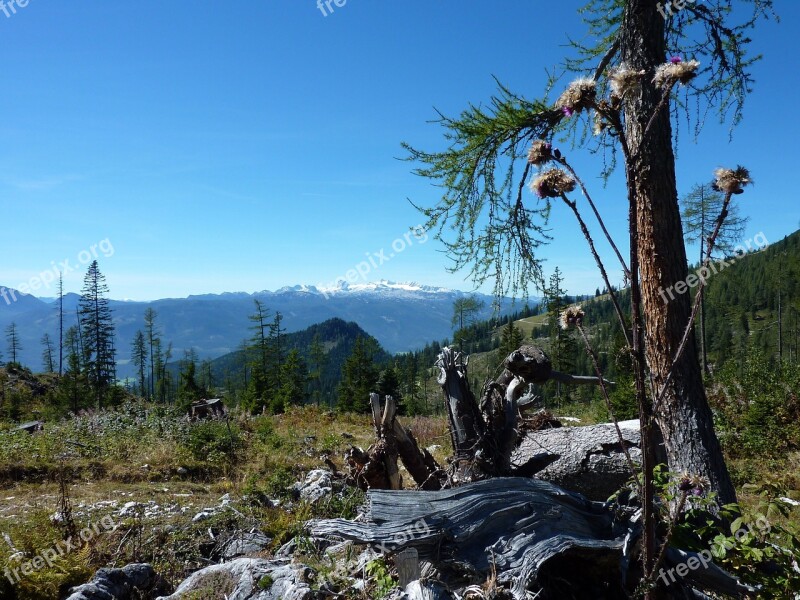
(624, 81)
(600, 124)
(552, 183)
(732, 181)
(541, 152)
(579, 95)
(573, 315)
(672, 72)
(693, 484)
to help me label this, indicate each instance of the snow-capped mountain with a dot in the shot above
(402, 316)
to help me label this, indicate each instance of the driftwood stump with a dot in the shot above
(479, 524)
(536, 537)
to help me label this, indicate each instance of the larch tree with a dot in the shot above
(60, 323)
(48, 354)
(465, 313)
(701, 206)
(643, 52)
(97, 333)
(14, 345)
(153, 338)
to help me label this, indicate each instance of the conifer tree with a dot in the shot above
(152, 338)
(701, 208)
(48, 358)
(14, 345)
(293, 383)
(97, 332)
(359, 378)
(317, 360)
(139, 360)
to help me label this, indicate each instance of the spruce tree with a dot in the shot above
(510, 339)
(152, 337)
(293, 383)
(359, 378)
(139, 360)
(317, 360)
(97, 332)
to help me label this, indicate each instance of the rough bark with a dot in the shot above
(685, 418)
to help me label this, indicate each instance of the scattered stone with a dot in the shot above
(243, 543)
(182, 471)
(120, 584)
(318, 484)
(249, 579)
(207, 513)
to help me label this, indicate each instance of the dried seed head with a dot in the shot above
(624, 81)
(552, 183)
(579, 95)
(541, 152)
(672, 72)
(732, 181)
(600, 124)
(573, 315)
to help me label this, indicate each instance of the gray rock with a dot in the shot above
(317, 485)
(249, 579)
(119, 584)
(243, 543)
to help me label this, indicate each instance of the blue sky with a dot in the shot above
(247, 145)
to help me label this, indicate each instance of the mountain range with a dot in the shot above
(401, 316)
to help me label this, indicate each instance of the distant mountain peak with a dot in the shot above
(383, 285)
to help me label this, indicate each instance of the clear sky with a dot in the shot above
(207, 146)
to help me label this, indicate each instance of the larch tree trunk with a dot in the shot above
(684, 415)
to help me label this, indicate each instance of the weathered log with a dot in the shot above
(536, 537)
(587, 459)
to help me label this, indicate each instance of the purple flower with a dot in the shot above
(675, 60)
(568, 111)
